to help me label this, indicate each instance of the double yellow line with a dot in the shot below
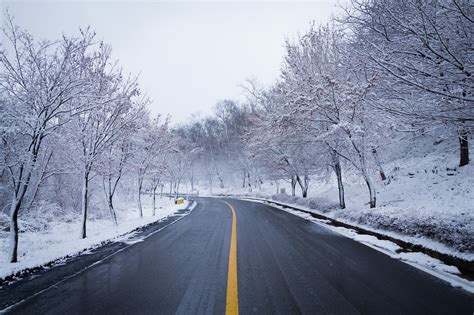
(232, 298)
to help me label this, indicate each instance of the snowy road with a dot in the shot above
(285, 264)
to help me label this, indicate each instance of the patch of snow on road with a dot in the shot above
(428, 261)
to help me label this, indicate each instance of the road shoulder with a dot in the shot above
(457, 272)
(15, 289)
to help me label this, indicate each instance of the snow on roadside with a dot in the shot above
(39, 248)
(418, 260)
(412, 239)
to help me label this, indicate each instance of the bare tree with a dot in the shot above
(38, 83)
(112, 167)
(425, 50)
(113, 109)
(328, 97)
(153, 143)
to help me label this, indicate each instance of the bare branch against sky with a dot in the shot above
(189, 54)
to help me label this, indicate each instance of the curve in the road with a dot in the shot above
(282, 264)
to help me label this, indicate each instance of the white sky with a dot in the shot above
(189, 54)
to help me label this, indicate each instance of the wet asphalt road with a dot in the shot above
(285, 265)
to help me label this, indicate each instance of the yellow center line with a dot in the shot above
(232, 299)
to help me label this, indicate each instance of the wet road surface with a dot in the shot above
(285, 265)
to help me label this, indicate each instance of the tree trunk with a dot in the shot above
(249, 182)
(171, 190)
(340, 186)
(370, 186)
(303, 185)
(18, 197)
(259, 182)
(109, 196)
(210, 183)
(176, 188)
(112, 211)
(306, 185)
(464, 146)
(221, 182)
(15, 207)
(154, 200)
(379, 164)
(304, 192)
(21, 186)
(365, 175)
(19, 194)
(140, 186)
(85, 200)
(293, 185)
(40, 180)
(245, 177)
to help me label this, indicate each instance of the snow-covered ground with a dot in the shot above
(426, 200)
(61, 239)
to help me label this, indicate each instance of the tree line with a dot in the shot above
(382, 73)
(74, 126)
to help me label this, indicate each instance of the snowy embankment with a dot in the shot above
(61, 239)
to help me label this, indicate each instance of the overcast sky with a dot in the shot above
(189, 54)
